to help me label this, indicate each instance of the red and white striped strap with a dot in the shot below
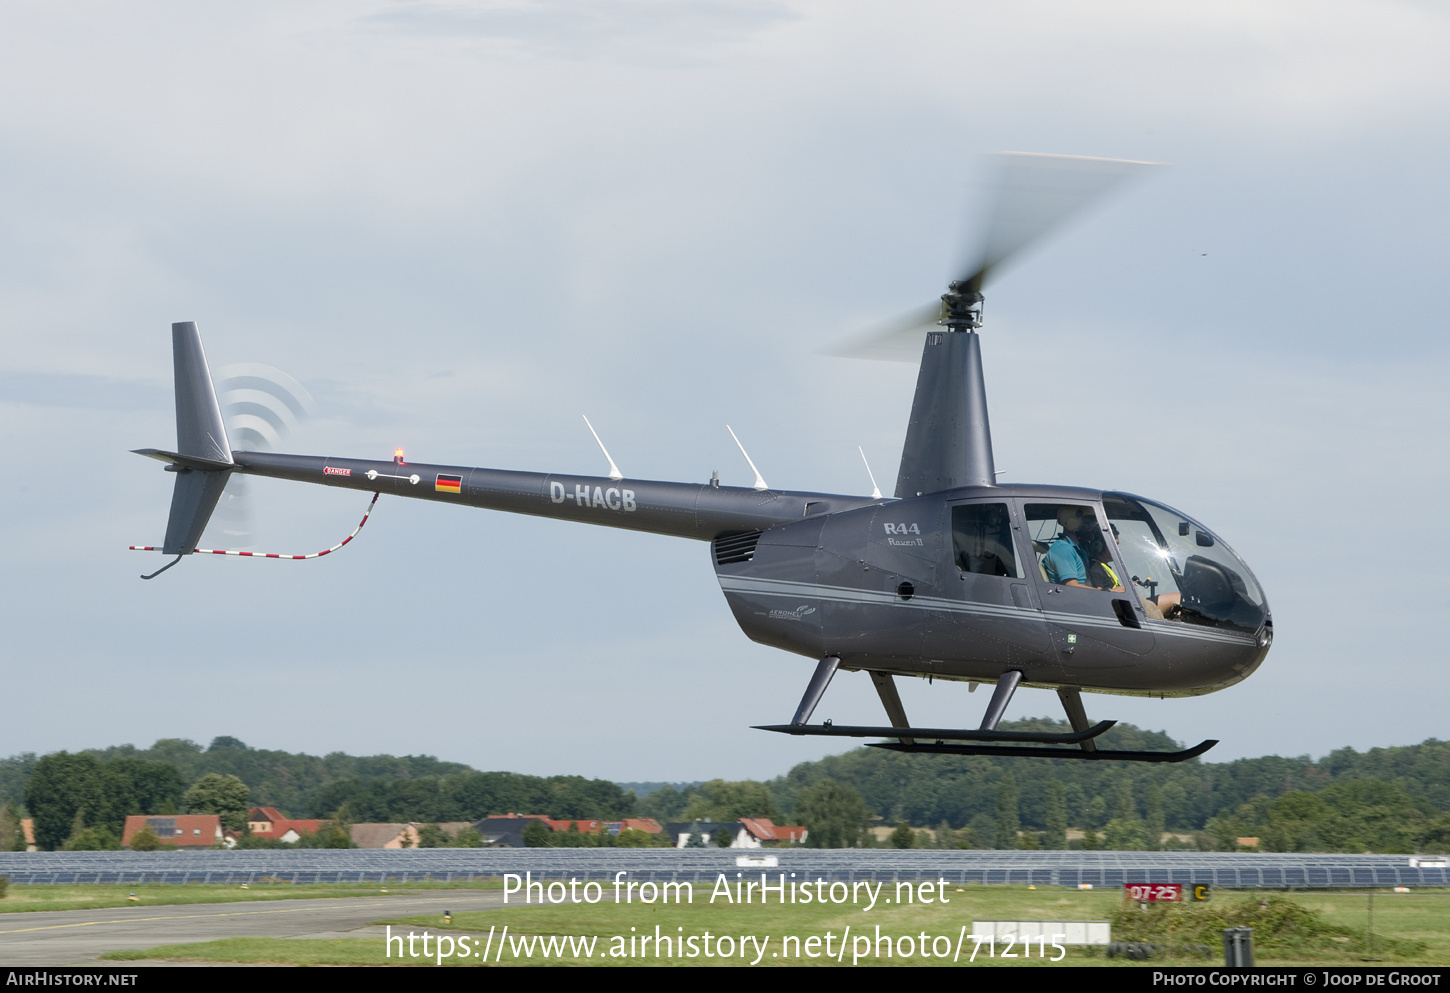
(273, 555)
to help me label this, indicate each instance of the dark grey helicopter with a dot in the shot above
(954, 578)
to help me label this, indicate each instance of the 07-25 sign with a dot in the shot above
(1154, 892)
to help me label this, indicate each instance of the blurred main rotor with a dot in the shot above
(1032, 195)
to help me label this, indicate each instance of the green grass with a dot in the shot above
(1285, 931)
(27, 898)
(1412, 929)
(262, 951)
(1419, 916)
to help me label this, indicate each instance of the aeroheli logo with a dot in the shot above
(800, 613)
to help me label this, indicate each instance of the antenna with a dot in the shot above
(614, 472)
(875, 490)
(760, 483)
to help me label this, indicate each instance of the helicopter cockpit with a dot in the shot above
(1164, 551)
(1168, 559)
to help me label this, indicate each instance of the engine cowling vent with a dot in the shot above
(738, 546)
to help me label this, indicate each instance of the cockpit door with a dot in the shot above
(1074, 566)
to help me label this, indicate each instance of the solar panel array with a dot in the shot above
(1099, 869)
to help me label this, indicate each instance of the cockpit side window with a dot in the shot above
(1173, 558)
(982, 540)
(1070, 547)
(1150, 562)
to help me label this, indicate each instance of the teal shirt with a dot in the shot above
(1064, 561)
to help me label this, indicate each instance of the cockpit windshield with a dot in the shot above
(1173, 558)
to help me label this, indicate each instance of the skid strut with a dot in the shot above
(825, 669)
(1025, 744)
(1001, 696)
(891, 700)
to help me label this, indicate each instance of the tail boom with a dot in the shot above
(684, 510)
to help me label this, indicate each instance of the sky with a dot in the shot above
(463, 225)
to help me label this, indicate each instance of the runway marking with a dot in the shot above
(184, 917)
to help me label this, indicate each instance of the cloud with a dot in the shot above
(654, 30)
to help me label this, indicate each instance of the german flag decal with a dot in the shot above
(449, 484)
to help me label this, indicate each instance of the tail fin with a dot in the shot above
(203, 457)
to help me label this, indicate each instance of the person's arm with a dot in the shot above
(1074, 582)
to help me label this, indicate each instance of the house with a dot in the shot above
(585, 826)
(507, 830)
(748, 832)
(385, 835)
(708, 830)
(646, 824)
(762, 831)
(180, 830)
(268, 822)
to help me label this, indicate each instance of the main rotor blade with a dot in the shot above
(1036, 193)
(894, 341)
(1033, 194)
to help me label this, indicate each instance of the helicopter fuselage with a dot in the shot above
(897, 588)
(950, 585)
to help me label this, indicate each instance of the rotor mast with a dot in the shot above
(949, 440)
(949, 437)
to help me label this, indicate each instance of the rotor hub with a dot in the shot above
(961, 307)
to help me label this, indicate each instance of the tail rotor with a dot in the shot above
(261, 406)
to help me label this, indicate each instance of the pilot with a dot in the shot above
(1101, 573)
(1067, 558)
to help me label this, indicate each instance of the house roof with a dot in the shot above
(648, 824)
(182, 830)
(280, 825)
(763, 829)
(382, 835)
(585, 826)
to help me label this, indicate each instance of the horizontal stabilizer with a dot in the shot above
(189, 461)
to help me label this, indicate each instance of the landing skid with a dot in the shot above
(909, 739)
(939, 734)
(941, 748)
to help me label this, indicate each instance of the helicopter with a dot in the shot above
(955, 577)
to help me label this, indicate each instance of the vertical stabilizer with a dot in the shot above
(200, 434)
(948, 440)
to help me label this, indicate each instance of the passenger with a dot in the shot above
(1067, 557)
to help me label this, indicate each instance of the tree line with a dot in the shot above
(1392, 799)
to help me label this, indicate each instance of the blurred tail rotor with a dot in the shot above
(261, 406)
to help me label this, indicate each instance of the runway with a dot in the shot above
(79, 937)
